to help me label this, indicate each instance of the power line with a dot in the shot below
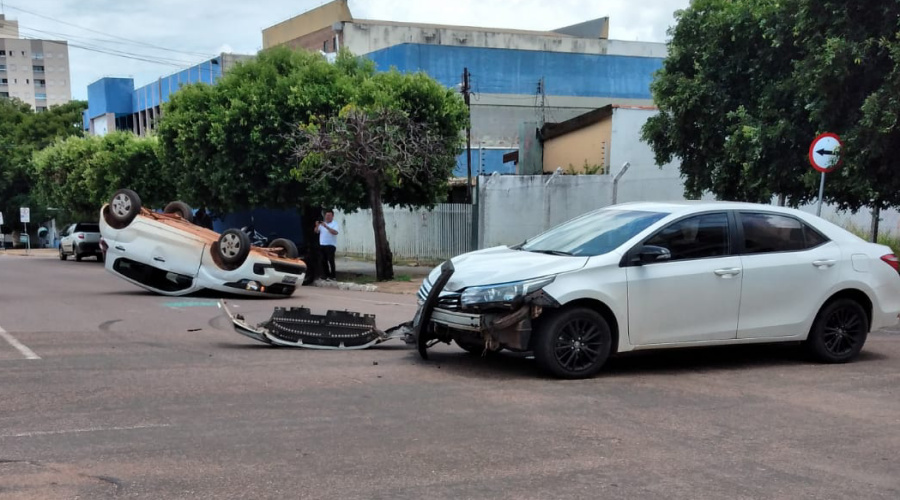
(112, 52)
(105, 34)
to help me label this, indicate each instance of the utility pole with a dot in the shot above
(466, 92)
(542, 91)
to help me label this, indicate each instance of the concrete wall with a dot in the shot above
(306, 23)
(363, 37)
(587, 145)
(644, 180)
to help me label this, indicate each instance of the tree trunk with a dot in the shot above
(876, 217)
(384, 259)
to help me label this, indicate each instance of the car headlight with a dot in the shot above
(503, 293)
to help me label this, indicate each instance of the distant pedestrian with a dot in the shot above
(328, 231)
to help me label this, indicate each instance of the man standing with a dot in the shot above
(328, 231)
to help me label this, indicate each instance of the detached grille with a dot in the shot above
(449, 301)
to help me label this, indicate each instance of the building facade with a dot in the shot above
(516, 76)
(33, 71)
(115, 103)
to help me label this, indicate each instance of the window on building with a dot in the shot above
(37, 69)
(40, 83)
(325, 46)
(4, 94)
(2, 53)
(37, 55)
(4, 81)
(23, 53)
(40, 109)
(40, 96)
(2, 67)
(28, 80)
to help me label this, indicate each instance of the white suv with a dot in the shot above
(80, 240)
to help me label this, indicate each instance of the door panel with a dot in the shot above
(684, 301)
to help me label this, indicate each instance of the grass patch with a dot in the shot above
(886, 239)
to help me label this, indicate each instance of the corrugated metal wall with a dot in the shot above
(414, 235)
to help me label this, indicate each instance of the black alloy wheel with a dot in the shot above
(839, 332)
(573, 343)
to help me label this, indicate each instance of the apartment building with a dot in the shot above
(33, 71)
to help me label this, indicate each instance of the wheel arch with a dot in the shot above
(856, 295)
(602, 309)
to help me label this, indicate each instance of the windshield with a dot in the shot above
(592, 234)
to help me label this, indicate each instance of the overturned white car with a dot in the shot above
(167, 254)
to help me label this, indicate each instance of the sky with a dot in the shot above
(160, 37)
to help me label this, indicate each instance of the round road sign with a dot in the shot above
(825, 152)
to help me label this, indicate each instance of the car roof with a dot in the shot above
(688, 206)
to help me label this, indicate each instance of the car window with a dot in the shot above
(766, 233)
(595, 233)
(694, 237)
(87, 227)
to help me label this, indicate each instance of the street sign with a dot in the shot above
(825, 153)
(24, 214)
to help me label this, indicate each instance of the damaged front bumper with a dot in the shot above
(497, 329)
(335, 330)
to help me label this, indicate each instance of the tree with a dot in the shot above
(373, 156)
(22, 132)
(79, 174)
(747, 86)
(229, 146)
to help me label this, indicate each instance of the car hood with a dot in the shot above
(503, 265)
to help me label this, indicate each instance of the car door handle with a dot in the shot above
(729, 272)
(120, 247)
(159, 259)
(822, 264)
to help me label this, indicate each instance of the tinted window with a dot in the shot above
(87, 227)
(764, 233)
(695, 237)
(595, 233)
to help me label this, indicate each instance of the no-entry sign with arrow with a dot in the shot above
(825, 152)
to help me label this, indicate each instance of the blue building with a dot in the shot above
(515, 76)
(115, 103)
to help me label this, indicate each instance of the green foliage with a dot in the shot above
(22, 132)
(747, 86)
(586, 169)
(79, 174)
(226, 146)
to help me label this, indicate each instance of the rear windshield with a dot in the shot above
(87, 227)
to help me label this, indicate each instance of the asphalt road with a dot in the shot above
(133, 395)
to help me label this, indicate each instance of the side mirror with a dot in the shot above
(649, 254)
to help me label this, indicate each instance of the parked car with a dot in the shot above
(80, 240)
(663, 275)
(168, 254)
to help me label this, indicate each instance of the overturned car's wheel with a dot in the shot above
(290, 249)
(124, 206)
(573, 343)
(233, 247)
(181, 209)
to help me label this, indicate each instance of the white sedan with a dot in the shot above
(662, 275)
(167, 254)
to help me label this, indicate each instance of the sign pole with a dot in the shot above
(27, 240)
(821, 195)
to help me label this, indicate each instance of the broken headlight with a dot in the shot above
(504, 293)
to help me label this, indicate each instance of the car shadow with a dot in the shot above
(508, 365)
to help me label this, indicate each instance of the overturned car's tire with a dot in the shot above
(290, 249)
(181, 209)
(124, 206)
(233, 247)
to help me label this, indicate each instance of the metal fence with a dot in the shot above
(414, 235)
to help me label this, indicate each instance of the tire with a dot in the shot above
(180, 208)
(233, 247)
(290, 249)
(124, 206)
(62, 255)
(573, 343)
(77, 256)
(839, 332)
